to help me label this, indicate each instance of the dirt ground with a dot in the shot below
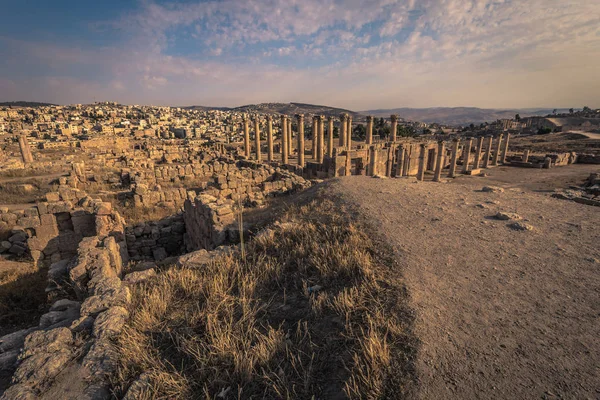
(501, 314)
(563, 142)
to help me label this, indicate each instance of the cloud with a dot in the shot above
(356, 53)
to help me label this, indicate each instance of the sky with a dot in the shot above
(356, 54)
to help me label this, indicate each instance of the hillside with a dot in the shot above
(283, 108)
(24, 104)
(458, 115)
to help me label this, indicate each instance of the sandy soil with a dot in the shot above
(501, 314)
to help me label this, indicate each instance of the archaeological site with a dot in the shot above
(284, 256)
(300, 200)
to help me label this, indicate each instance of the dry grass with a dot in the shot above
(259, 327)
(15, 193)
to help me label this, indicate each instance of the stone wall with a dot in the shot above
(157, 239)
(51, 230)
(209, 222)
(210, 219)
(588, 159)
(70, 351)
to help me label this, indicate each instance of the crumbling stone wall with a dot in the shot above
(50, 230)
(209, 222)
(156, 239)
(75, 335)
(588, 158)
(209, 218)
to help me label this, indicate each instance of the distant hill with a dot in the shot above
(459, 115)
(282, 108)
(25, 104)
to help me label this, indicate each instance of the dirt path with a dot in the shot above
(501, 314)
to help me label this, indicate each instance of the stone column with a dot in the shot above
(270, 138)
(246, 138)
(496, 156)
(330, 136)
(320, 139)
(315, 136)
(399, 161)
(439, 165)
(488, 150)
(454, 158)
(372, 161)
(257, 138)
(348, 169)
(505, 149)
(422, 161)
(349, 131)
(290, 137)
(342, 132)
(478, 152)
(284, 140)
(467, 155)
(25, 150)
(394, 120)
(526, 156)
(390, 161)
(300, 139)
(369, 138)
(408, 152)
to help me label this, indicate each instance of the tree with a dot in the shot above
(360, 132)
(554, 111)
(517, 117)
(472, 126)
(571, 111)
(544, 131)
(586, 109)
(427, 131)
(406, 131)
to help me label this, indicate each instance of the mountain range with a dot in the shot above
(459, 115)
(282, 108)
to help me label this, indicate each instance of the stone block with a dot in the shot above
(52, 197)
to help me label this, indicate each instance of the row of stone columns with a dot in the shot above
(320, 146)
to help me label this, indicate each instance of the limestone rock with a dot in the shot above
(139, 276)
(110, 323)
(506, 216)
(520, 226)
(492, 189)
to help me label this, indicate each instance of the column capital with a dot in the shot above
(369, 118)
(269, 118)
(394, 118)
(457, 139)
(343, 117)
(330, 118)
(300, 117)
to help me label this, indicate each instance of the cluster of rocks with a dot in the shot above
(156, 239)
(588, 193)
(52, 230)
(151, 196)
(527, 160)
(209, 222)
(254, 182)
(75, 335)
